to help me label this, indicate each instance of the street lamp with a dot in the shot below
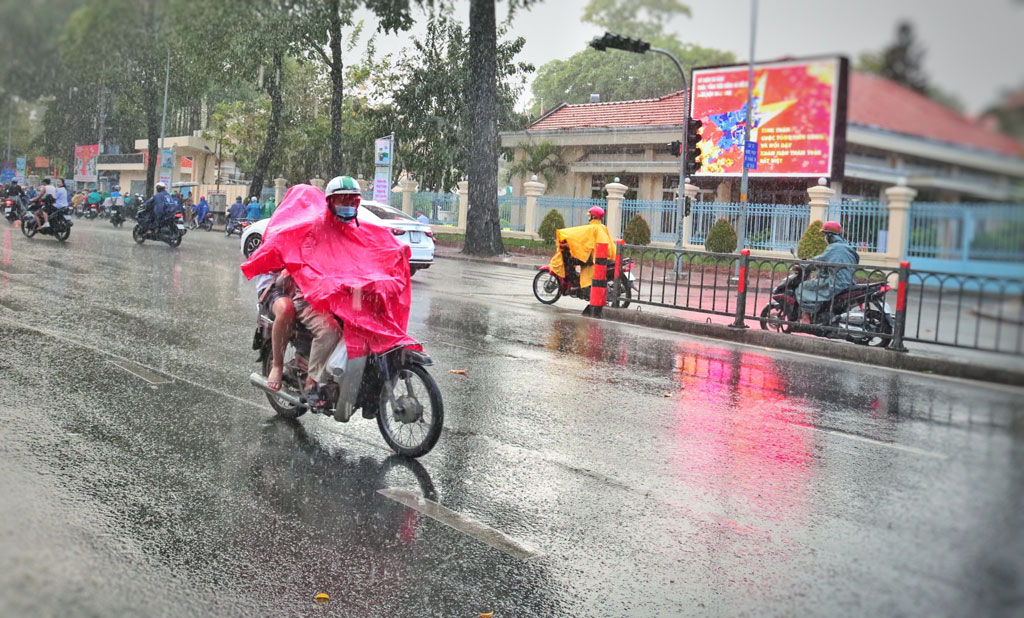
(638, 46)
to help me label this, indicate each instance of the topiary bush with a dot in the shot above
(552, 221)
(637, 231)
(721, 237)
(812, 243)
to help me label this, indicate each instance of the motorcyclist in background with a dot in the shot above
(252, 211)
(576, 247)
(157, 207)
(815, 295)
(46, 198)
(236, 212)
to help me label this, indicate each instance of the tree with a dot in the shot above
(543, 160)
(903, 62)
(617, 75)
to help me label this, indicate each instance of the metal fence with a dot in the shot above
(512, 212)
(573, 210)
(440, 208)
(865, 224)
(981, 239)
(769, 227)
(661, 217)
(886, 307)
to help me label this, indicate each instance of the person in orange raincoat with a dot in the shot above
(576, 248)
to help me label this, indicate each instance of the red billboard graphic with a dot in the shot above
(797, 114)
(85, 163)
(186, 163)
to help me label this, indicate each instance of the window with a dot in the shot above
(597, 183)
(386, 212)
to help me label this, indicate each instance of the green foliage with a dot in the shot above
(618, 75)
(543, 160)
(552, 222)
(721, 237)
(638, 232)
(812, 243)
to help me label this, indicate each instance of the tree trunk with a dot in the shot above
(483, 227)
(273, 128)
(337, 91)
(153, 137)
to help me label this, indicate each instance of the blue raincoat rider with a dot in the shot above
(816, 294)
(201, 210)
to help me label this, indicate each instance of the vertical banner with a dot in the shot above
(85, 163)
(166, 158)
(383, 150)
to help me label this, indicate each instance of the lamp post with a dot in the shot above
(638, 46)
(746, 130)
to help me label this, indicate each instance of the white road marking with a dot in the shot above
(141, 371)
(463, 523)
(892, 445)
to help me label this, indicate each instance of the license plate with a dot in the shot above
(181, 227)
(67, 217)
(7, 211)
(415, 236)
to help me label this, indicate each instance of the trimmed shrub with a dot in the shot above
(812, 243)
(637, 231)
(721, 238)
(552, 221)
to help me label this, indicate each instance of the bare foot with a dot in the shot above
(274, 379)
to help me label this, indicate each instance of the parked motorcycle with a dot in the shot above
(548, 287)
(860, 312)
(60, 224)
(171, 230)
(393, 387)
(235, 226)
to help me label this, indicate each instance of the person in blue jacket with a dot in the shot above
(252, 211)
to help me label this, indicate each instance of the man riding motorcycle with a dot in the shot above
(815, 295)
(157, 208)
(329, 265)
(576, 248)
(46, 198)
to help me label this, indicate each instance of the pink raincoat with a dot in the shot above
(360, 274)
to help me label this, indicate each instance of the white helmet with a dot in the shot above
(160, 185)
(342, 185)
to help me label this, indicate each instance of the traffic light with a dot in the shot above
(693, 152)
(674, 148)
(617, 41)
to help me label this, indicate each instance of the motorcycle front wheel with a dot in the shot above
(546, 287)
(28, 227)
(137, 234)
(411, 424)
(878, 332)
(774, 318)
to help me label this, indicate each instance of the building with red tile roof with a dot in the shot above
(893, 134)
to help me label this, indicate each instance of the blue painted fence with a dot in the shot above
(573, 210)
(964, 238)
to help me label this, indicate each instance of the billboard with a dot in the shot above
(85, 163)
(798, 113)
(42, 162)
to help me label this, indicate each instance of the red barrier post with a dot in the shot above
(617, 281)
(599, 284)
(901, 309)
(741, 290)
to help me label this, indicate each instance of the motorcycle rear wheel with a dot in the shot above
(546, 287)
(411, 385)
(283, 408)
(61, 231)
(175, 238)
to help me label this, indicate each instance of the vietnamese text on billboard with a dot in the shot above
(793, 114)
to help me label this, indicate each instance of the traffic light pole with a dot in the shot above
(682, 152)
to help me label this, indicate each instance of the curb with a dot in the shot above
(830, 349)
(469, 258)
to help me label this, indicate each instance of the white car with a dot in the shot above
(418, 236)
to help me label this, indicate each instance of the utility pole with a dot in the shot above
(10, 122)
(744, 181)
(102, 121)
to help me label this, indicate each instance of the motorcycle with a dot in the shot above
(548, 287)
(206, 224)
(858, 313)
(92, 211)
(116, 218)
(171, 230)
(60, 224)
(12, 208)
(235, 226)
(394, 387)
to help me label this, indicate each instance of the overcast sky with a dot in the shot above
(975, 48)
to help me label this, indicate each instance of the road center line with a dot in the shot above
(853, 436)
(141, 372)
(463, 523)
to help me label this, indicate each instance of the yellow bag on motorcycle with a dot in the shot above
(582, 240)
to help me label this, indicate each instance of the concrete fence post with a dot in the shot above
(613, 214)
(900, 199)
(533, 190)
(318, 183)
(463, 203)
(690, 192)
(279, 190)
(820, 197)
(409, 187)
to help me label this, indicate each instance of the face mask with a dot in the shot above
(346, 212)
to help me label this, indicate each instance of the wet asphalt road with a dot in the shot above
(652, 474)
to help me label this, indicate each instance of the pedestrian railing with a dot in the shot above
(768, 227)
(661, 217)
(865, 224)
(512, 212)
(440, 208)
(966, 311)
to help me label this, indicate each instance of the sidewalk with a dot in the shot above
(524, 262)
